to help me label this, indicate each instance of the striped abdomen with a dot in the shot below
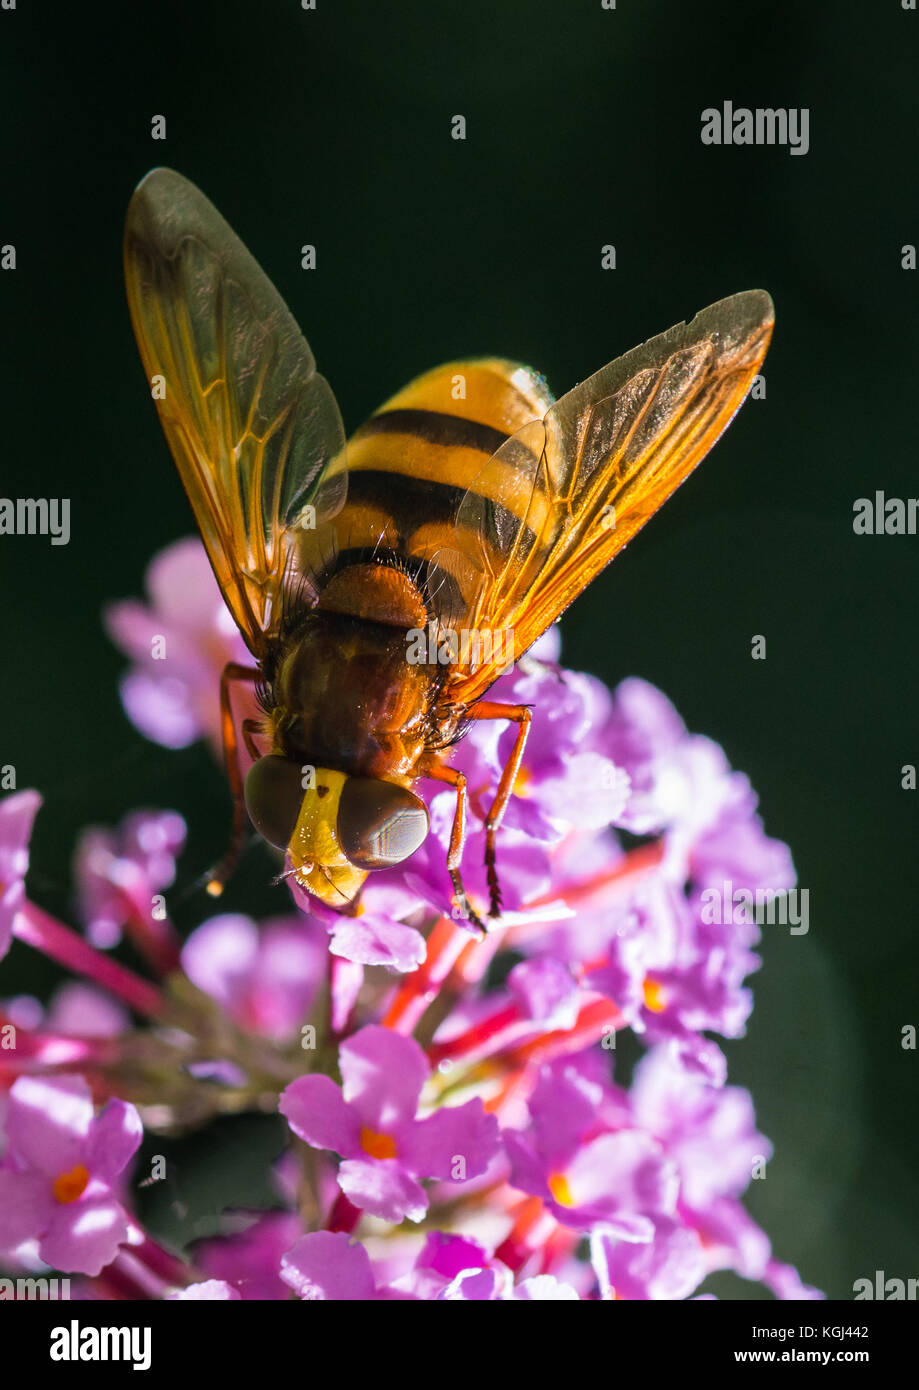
(409, 468)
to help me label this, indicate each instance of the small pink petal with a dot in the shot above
(326, 1265)
(317, 1113)
(49, 1122)
(382, 1189)
(382, 1076)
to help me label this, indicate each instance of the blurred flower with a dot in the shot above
(17, 814)
(120, 875)
(179, 644)
(265, 978)
(85, 1010)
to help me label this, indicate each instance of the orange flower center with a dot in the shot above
(653, 991)
(69, 1186)
(558, 1186)
(377, 1145)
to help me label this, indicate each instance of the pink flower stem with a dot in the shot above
(130, 1279)
(446, 943)
(595, 1019)
(484, 1037)
(532, 1227)
(163, 1263)
(36, 928)
(38, 1050)
(158, 941)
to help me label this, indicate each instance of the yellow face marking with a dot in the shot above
(321, 865)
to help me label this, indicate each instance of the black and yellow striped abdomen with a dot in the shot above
(412, 463)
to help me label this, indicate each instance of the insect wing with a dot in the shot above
(565, 494)
(254, 429)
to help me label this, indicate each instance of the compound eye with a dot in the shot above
(379, 823)
(274, 795)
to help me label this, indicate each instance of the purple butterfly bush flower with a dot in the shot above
(266, 978)
(329, 1266)
(249, 1260)
(588, 1174)
(57, 1174)
(179, 643)
(492, 1286)
(371, 1121)
(121, 873)
(455, 1127)
(208, 1291)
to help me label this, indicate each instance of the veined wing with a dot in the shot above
(566, 493)
(250, 422)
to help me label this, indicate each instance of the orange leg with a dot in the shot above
(250, 728)
(218, 876)
(522, 716)
(461, 904)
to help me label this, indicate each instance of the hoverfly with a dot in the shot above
(470, 503)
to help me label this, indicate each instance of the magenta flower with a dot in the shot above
(58, 1170)
(619, 1178)
(266, 978)
(208, 1291)
(497, 1286)
(17, 814)
(469, 1084)
(119, 873)
(670, 1264)
(370, 1121)
(376, 936)
(250, 1261)
(179, 645)
(87, 1011)
(75, 1009)
(709, 1131)
(441, 1259)
(329, 1266)
(568, 779)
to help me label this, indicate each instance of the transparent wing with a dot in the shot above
(565, 494)
(254, 429)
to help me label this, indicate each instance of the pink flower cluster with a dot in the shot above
(457, 1125)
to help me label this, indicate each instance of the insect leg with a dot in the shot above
(457, 780)
(251, 727)
(522, 716)
(218, 876)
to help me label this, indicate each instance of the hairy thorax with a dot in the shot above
(345, 696)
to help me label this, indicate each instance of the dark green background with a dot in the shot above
(333, 128)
